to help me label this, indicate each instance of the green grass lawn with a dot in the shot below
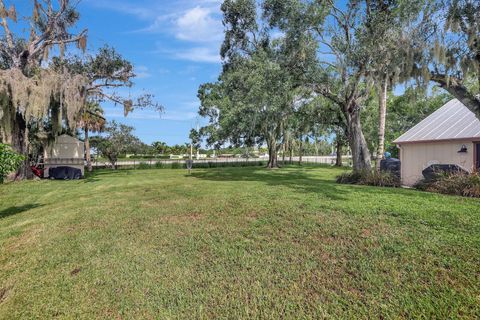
(235, 243)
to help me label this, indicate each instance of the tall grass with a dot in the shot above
(370, 178)
(460, 184)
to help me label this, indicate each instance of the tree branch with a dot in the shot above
(8, 33)
(456, 88)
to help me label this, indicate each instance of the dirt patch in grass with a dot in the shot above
(339, 240)
(324, 285)
(344, 230)
(253, 215)
(366, 233)
(75, 271)
(181, 219)
(25, 239)
(3, 294)
(86, 226)
(174, 201)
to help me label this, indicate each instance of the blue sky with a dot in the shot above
(174, 46)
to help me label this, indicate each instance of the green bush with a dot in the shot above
(353, 177)
(159, 165)
(143, 165)
(177, 165)
(201, 165)
(370, 178)
(9, 161)
(460, 184)
(196, 165)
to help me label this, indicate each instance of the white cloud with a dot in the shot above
(170, 114)
(160, 24)
(195, 23)
(139, 11)
(184, 111)
(199, 54)
(201, 23)
(179, 115)
(142, 72)
(163, 71)
(190, 69)
(138, 115)
(194, 104)
(198, 25)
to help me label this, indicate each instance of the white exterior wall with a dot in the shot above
(66, 147)
(66, 151)
(416, 157)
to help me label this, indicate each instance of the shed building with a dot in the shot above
(67, 151)
(450, 135)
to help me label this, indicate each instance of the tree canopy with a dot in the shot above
(118, 140)
(444, 48)
(46, 90)
(277, 54)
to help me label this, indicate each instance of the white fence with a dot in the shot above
(136, 163)
(320, 159)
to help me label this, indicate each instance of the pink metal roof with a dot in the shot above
(453, 121)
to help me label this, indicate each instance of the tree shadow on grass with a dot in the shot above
(17, 209)
(97, 175)
(305, 179)
(298, 180)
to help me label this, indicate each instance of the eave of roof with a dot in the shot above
(452, 122)
(468, 139)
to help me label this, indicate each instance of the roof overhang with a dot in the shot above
(471, 139)
(451, 122)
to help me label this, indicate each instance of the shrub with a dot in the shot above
(460, 184)
(9, 161)
(353, 177)
(143, 165)
(177, 165)
(370, 178)
(200, 165)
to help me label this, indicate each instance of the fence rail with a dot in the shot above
(216, 162)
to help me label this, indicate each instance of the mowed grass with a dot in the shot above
(235, 243)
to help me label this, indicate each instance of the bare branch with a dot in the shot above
(40, 45)
(6, 28)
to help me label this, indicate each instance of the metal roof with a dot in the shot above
(453, 121)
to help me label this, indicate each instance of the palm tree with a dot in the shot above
(92, 120)
(160, 147)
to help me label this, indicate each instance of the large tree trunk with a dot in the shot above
(361, 157)
(382, 114)
(113, 164)
(87, 151)
(19, 143)
(338, 161)
(272, 158)
(272, 153)
(300, 152)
